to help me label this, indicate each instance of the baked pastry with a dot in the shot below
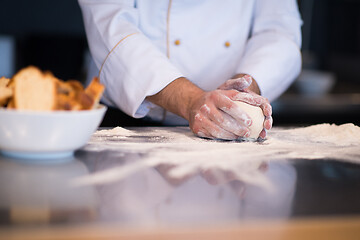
(6, 92)
(33, 89)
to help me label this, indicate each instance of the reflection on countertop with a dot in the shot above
(42, 193)
(153, 196)
(117, 184)
(140, 195)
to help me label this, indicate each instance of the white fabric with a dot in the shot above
(128, 39)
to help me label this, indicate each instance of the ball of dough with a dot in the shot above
(257, 117)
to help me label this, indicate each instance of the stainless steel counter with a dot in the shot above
(112, 190)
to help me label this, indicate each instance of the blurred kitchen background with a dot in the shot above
(50, 34)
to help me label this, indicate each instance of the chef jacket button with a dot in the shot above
(177, 42)
(227, 44)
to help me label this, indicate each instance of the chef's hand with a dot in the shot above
(250, 93)
(215, 115)
(211, 114)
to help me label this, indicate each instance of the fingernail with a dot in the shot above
(248, 78)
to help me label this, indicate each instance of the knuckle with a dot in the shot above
(232, 94)
(205, 109)
(198, 118)
(230, 105)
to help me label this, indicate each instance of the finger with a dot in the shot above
(266, 108)
(210, 176)
(237, 83)
(255, 100)
(224, 103)
(216, 176)
(267, 126)
(263, 134)
(209, 129)
(225, 121)
(198, 128)
(249, 98)
(234, 126)
(268, 123)
(203, 134)
(202, 122)
(210, 111)
(219, 133)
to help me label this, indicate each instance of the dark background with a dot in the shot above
(331, 32)
(50, 34)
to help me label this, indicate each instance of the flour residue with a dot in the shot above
(343, 135)
(114, 131)
(187, 154)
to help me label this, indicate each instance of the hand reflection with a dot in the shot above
(148, 192)
(235, 177)
(216, 175)
(165, 171)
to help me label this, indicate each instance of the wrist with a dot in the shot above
(178, 97)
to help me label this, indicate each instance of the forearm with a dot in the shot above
(177, 97)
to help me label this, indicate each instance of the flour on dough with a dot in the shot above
(257, 117)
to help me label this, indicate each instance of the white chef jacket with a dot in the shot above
(140, 46)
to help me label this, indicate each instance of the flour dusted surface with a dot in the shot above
(187, 153)
(343, 135)
(178, 144)
(115, 131)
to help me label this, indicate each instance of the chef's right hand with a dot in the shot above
(211, 114)
(215, 115)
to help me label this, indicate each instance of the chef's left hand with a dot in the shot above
(250, 93)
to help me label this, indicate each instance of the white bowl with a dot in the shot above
(46, 135)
